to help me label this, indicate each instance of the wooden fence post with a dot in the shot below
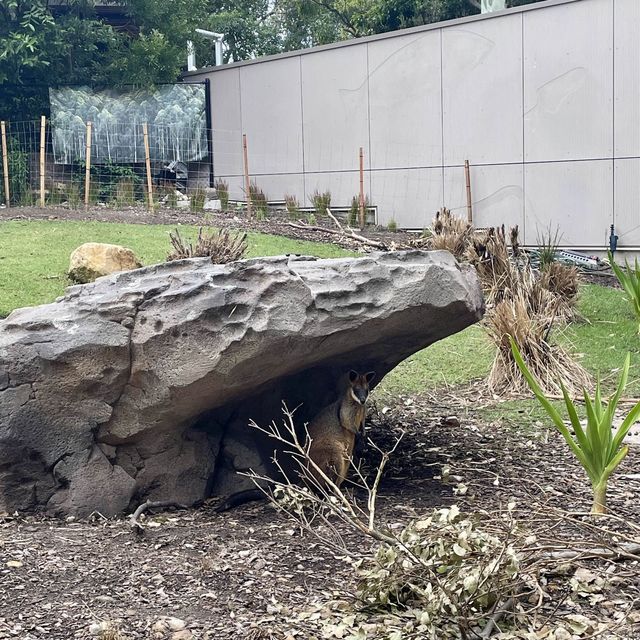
(467, 177)
(362, 220)
(87, 170)
(5, 163)
(247, 183)
(43, 124)
(145, 135)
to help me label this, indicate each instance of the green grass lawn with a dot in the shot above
(34, 255)
(34, 258)
(600, 342)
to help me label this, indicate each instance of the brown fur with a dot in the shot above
(334, 430)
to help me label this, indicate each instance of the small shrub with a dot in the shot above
(311, 219)
(629, 279)
(19, 173)
(172, 199)
(221, 246)
(392, 226)
(293, 206)
(198, 197)
(73, 195)
(258, 201)
(353, 219)
(548, 245)
(321, 202)
(222, 189)
(354, 212)
(598, 450)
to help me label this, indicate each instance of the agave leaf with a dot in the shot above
(622, 431)
(613, 402)
(593, 432)
(597, 401)
(551, 410)
(615, 461)
(575, 421)
(535, 387)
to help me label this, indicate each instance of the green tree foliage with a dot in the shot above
(48, 44)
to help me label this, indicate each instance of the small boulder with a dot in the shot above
(92, 260)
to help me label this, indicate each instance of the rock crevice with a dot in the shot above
(139, 380)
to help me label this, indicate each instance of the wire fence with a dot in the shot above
(118, 164)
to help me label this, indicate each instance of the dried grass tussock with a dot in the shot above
(220, 245)
(527, 313)
(451, 233)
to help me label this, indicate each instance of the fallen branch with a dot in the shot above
(348, 233)
(628, 550)
(498, 614)
(337, 222)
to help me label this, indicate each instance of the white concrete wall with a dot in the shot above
(544, 102)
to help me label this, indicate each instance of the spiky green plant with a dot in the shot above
(598, 449)
(629, 279)
(548, 245)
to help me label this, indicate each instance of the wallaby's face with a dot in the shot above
(359, 385)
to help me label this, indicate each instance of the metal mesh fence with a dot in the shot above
(81, 165)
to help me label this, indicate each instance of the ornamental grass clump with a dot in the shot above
(451, 233)
(598, 449)
(629, 279)
(527, 312)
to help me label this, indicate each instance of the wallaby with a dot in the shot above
(334, 431)
(333, 434)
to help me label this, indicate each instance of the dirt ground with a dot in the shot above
(276, 224)
(252, 573)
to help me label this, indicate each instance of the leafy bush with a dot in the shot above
(222, 189)
(598, 450)
(220, 245)
(321, 202)
(629, 280)
(19, 175)
(311, 219)
(392, 226)
(293, 206)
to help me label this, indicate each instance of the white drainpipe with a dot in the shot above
(217, 38)
(191, 56)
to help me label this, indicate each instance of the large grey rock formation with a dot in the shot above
(142, 383)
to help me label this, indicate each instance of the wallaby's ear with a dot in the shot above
(353, 376)
(370, 376)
